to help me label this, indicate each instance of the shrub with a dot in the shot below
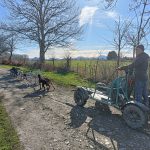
(62, 69)
(46, 67)
(5, 62)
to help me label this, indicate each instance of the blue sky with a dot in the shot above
(97, 23)
(99, 26)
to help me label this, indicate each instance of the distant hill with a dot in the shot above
(102, 57)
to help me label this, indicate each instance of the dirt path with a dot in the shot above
(51, 121)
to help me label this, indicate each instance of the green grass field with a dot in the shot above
(86, 68)
(82, 63)
(82, 71)
(8, 136)
(68, 79)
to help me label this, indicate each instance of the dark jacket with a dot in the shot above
(140, 66)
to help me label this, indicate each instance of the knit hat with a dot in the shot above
(141, 47)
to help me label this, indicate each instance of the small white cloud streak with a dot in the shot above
(86, 15)
(31, 52)
(60, 53)
(112, 14)
(101, 16)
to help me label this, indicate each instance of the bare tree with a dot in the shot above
(25, 59)
(96, 64)
(110, 3)
(140, 28)
(47, 22)
(53, 58)
(68, 59)
(11, 42)
(119, 41)
(3, 44)
(8, 42)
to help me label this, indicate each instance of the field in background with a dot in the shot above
(81, 72)
(67, 79)
(91, 69)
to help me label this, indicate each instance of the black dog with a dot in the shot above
(45, 82)
(14, 71)
(24, 76)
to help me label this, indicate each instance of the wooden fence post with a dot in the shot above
(77, 68)
(85, 70)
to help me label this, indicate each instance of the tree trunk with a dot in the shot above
(11, 50)
(42, 53)
(134, 52)
(42, 56)
(10, 57)
(53, 60)
(118, 59)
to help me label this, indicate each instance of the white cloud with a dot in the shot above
(112, 14)
(30, 52)
(86, 15)
(105, 15)
(97, 17)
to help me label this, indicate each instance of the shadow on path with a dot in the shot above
(38, 93)
(109, 125)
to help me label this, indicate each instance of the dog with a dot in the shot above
(45, 82)
(14, 71)
(24, 76)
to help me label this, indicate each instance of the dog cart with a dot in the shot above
(118, 95)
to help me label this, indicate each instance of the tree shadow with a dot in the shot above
(37, 93)
(97, 145)
(109, 125)
(25, 86)
(77, 116)
(5, 77)
(14, 81)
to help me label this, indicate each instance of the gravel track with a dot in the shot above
(52, 121)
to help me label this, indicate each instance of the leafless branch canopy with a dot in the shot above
(3, 44)
(110, 3)
(48, 22)
(141, 28)
(121, 29)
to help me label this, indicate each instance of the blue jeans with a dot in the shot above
(141, 91)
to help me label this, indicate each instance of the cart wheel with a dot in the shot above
(80, 97)
(135, 117)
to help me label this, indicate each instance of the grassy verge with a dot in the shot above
(68, 79)
(9, 67)
(8, 137)
(6, 66)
